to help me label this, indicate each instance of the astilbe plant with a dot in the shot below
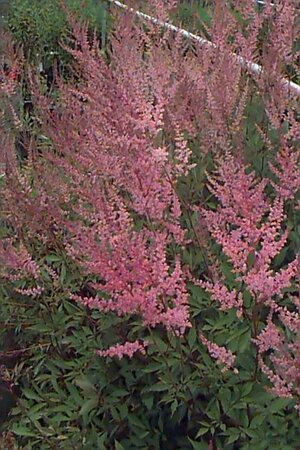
(249, 225)
(10, 67)
(109, 183)
(104, 186)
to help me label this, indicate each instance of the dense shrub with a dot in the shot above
(41, 26)
(150, 242)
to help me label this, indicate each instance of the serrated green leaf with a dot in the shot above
(31, 394)
(134, 420)
(88, 406)
(246, 389)
(201, 432)
(233, 435)
(257, 421)
(22, 431)
(278, 404)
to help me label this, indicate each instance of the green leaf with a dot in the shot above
(63, 273)
(123, 410)
(225, 398)
(279, 259)
(159, 387)
(37, 407)
(53, 258)
(198, 445)
(22, 431)
(233, 435)
(31, 394)
(152, 367)
(118, 446)
(257, 421)
(136, 422)
(88, 406)
(204, 15)
(278, 404)
(119, 393)
(213, 410)
(192, 337)
(63, 408)
(85, 385)
(201, 432)
(251, 433)
(62, 437)
(244, 341)
(160, 344)
(74, 394)
(148, 401)
(101, 441)
(246, 389)
(174, 406)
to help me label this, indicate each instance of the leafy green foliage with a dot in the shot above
(40, 26)
(175, 397)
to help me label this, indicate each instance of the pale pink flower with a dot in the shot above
(121, 350)
(222, 355)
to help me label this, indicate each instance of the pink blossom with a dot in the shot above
(245, 224)
(30, 292)
(287, 172)
(269, 337)
(121, 350)
(221, 354)
(16, 261)
(220, 293)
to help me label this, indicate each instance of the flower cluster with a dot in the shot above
(220, 354)
(287, 173)
(250, 229)
(121, 350)
(103, 185)
(16, 262)
(251, 232)
(110, 176)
